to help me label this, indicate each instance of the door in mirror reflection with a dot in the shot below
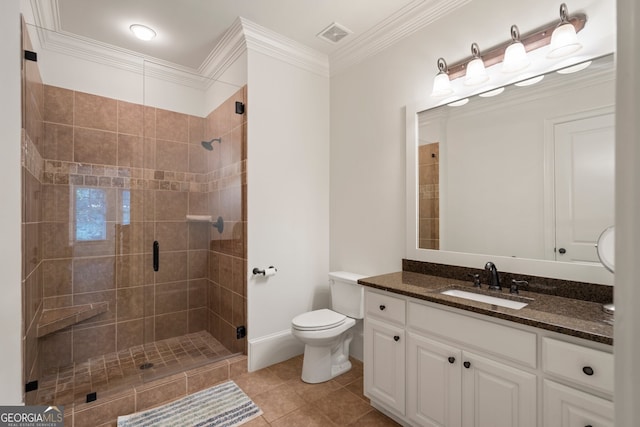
(584, 179)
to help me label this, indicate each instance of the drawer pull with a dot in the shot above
(396, 338)
(588, 370)
(382, 307)
(451, 359)
(467, 364)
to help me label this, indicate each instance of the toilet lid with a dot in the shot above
(318, 320)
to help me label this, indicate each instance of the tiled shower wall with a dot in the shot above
(429, 199)
(152, 171)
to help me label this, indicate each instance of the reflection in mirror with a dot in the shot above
(526, 174)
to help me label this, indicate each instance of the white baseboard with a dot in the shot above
(271, 349)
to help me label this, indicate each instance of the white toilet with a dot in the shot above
(326, 333)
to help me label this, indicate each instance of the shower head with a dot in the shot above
(207, 144)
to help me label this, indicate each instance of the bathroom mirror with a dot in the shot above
(525, 177)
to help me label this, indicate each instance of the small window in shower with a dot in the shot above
(91, 214)
(126, 207)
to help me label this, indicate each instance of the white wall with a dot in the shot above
(368, 120)
(10, 226)
(287, 202)
(627, 291)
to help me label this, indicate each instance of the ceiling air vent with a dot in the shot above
(334, 33)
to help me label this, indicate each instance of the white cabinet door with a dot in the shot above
(433, 382)
(384, 364)
(567, 407)
(496, 395)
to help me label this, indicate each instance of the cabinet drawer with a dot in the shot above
(503, 341)
(385, 307)
(586, 366)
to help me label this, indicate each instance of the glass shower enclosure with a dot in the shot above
(133, 220)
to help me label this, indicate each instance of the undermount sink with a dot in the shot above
(502, 302)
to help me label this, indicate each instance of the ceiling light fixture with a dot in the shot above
(476, 72)
(142, 32)
(441, 83)
(515, 55)
(564, 39)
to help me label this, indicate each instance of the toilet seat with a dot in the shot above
(318, 320)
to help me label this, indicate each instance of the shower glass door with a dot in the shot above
(83, 163)
(184, 222)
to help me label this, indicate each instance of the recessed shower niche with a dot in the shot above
(119, 287)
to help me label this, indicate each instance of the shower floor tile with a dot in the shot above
(112, 371)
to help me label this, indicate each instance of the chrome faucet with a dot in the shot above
(493, 280)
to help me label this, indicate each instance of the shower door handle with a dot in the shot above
(156, 255)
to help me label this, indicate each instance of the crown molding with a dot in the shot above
(263, 40)
(244, 34)
(411, 18)
(240, 36)
(227, 50)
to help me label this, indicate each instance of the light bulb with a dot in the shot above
(441, 86)
(515, 55)
(564, 40)
(441, 83)
(476, 73)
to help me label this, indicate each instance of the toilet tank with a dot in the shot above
(347, 296)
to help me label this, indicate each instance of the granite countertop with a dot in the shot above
(582, 319)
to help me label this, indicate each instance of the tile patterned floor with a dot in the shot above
(116, 370)
(287, 401)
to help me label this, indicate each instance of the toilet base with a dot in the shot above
(321, 364)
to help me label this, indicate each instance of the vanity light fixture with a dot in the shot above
(142, 32)
(515, 55)
(441, 83)
(564, 39)
(476, 72)
(533, 40)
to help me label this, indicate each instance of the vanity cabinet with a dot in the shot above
(430, 365)
(450, 385)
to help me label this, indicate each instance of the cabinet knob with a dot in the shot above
(451, 359)
(588, 370)
(396, 338)
(588, 425)
(382, 306)
(467, 364)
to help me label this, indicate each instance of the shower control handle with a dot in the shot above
(156, 256)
